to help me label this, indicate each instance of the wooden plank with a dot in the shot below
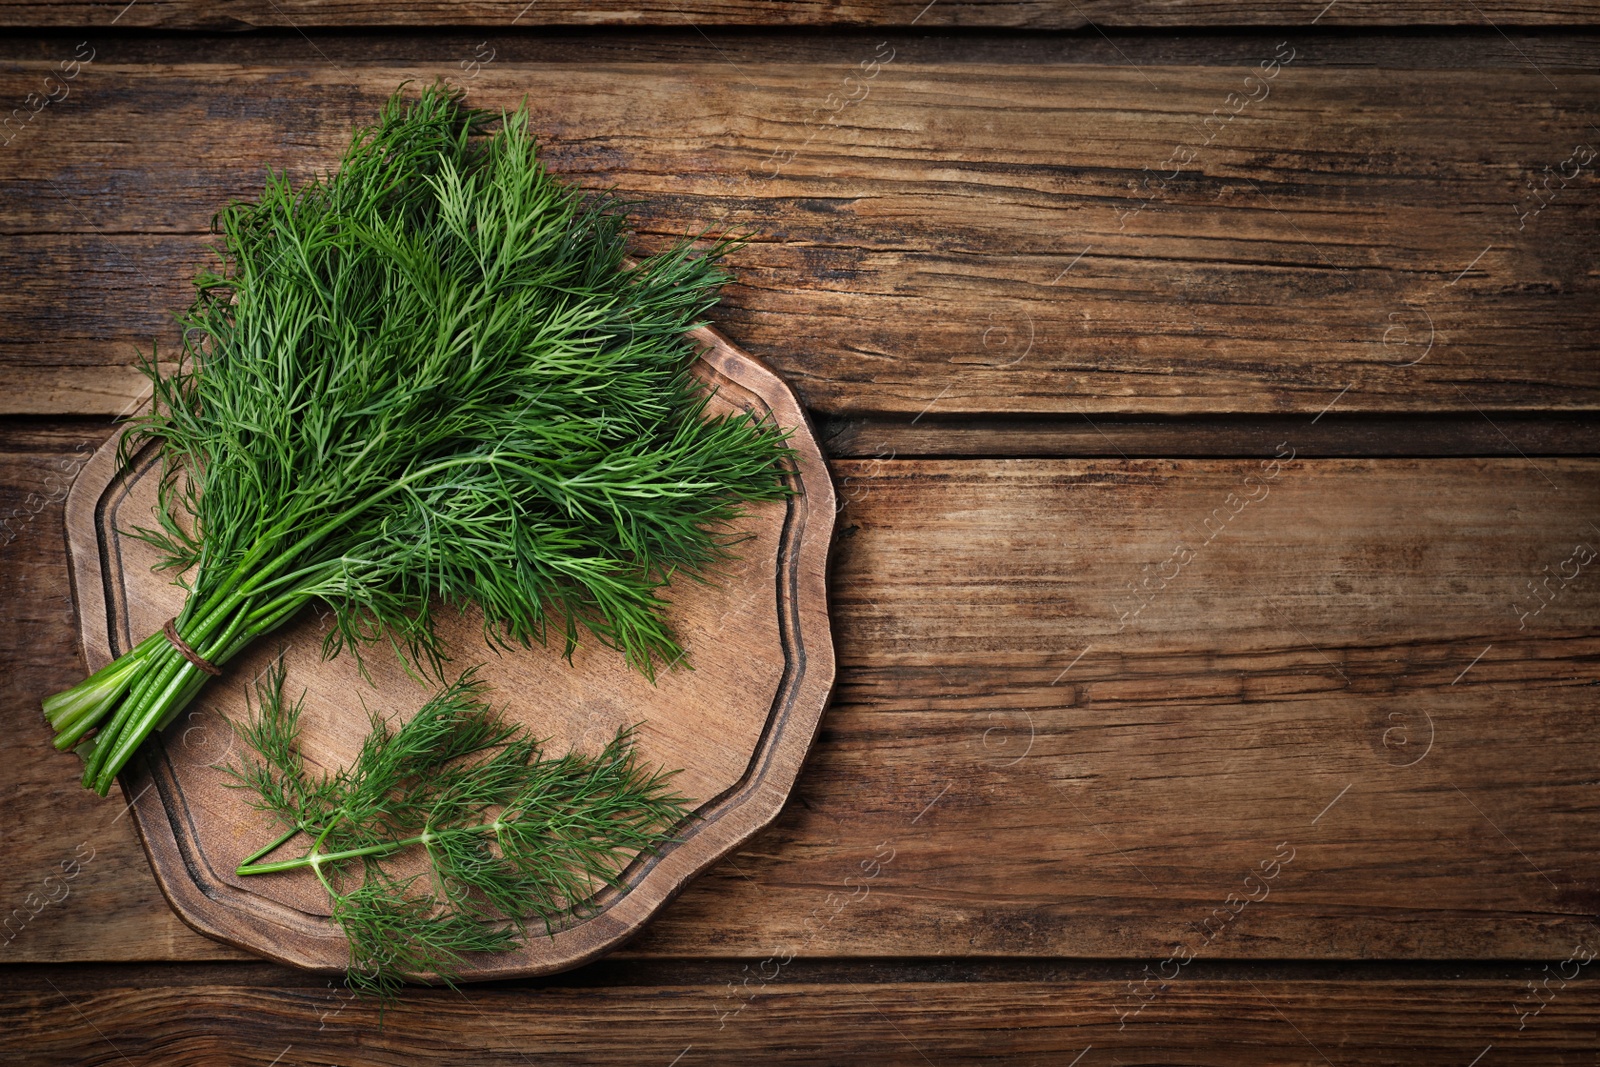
(1009, 768)
(1333, 435)
(1032, 14)
(1351, 239)
(459, 52)
(249, 1015)
(52, 390)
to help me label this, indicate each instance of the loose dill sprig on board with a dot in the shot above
(431, 377)
(509, 839)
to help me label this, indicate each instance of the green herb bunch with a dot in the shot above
(509, 838)
(431, 377)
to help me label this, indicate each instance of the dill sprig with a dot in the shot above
(429, 378)
(510, 839)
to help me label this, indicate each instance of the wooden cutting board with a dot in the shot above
(737, 717)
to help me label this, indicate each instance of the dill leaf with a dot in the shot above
(511, 840)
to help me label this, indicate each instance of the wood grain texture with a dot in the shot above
(735, 724)
(1333, 435)
(1030, 14)
(1298, 662)
(1023, 808)
(1365, 238)
(249, 1015)
(1339, 668)
(454, 49)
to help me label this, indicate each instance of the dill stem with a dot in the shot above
(160, 666)
(164, 689)
(164, 681)
(76, 711)
(343, 518)
(271, 615)
(258, 853)
(177, 682)
(156, 662)
(384, 848)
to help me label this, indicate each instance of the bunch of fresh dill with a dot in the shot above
(430, 377)
(507, 836)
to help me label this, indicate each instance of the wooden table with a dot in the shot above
(1210, 389)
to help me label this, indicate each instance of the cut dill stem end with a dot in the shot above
(509, 839)
(432, 377)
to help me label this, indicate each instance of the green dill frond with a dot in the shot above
(278, 777)
(510, 839)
